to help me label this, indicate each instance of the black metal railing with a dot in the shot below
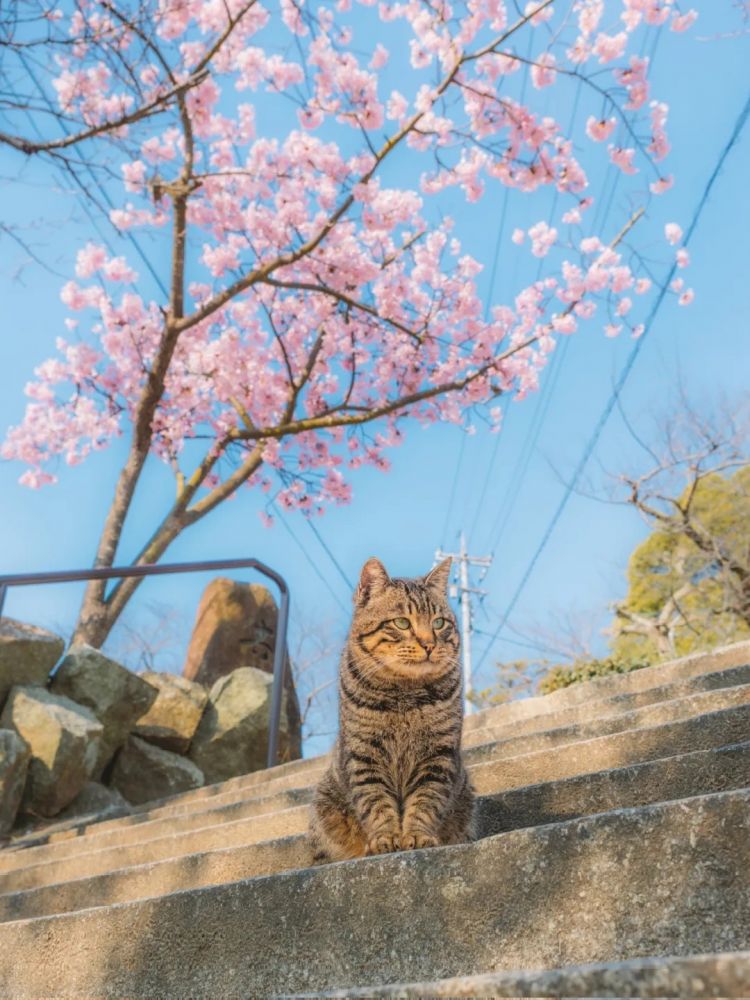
(152, 569)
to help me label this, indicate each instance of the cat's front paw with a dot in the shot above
(416, 841)
(384, 843)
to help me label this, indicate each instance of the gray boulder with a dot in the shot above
(14, 762)
(232, 737)
(96, 800)
(173, 718)
(116, 696)
(143, 772)
(27, 654)
(63, 738)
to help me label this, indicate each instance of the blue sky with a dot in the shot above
(438, 476)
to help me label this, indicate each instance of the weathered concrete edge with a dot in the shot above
(612, 707)
(482, 719)
(734, 655)
(646, 717)
(143, 829)
(149, 948)
(493, 775)
(699, 976)
(210, 867)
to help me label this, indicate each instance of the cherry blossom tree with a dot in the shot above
(318, 295)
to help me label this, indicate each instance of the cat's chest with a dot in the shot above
(410, 738)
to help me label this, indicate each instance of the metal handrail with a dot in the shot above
(152, 569)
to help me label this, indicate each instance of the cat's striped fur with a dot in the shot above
(396, 780)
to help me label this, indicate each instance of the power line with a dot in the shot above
(330, 554)
(310, 561)
(542, 403)
(490, 289)
(549, 386)
(456, 476)
(737, 130)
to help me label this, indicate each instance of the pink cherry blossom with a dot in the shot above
(624, 306)
(589, 15)
(682, 257)
(542, 239)
(599, 130)
(609, 47)
(662, 185)
(90, 259)
(379, 57)
(687, 297)
(543, 73)
(572, 216)
(320, 281)
(543, 15)
(681, 22)
(673, 232)
(623, 158)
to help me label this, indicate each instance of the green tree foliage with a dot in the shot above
(563, 676)
(689, 581)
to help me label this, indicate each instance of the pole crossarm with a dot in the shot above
(152, 569)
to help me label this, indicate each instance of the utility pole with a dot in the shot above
(461, 562)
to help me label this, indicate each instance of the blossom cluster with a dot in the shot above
(316, 290)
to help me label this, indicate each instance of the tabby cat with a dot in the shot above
(396, 780)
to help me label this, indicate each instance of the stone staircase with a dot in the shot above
(614, 858)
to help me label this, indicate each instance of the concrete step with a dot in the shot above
(225, 793)
(700, 977)
(678, 777)
(643, 784)
(672, 878)
(732, 725)
(237, 802)
(590, 711)
(490, 765)
(264, 784)
(639, 718)
(696, 665)
(260, 810)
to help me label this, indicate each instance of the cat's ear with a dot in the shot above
(372, 579)
(438, 578)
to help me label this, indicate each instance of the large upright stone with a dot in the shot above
(116, 696)
(143, 772)
(235, 626)
(173, 718)
(27, 654)
(232, 737)
(63, 738)
(14, 762)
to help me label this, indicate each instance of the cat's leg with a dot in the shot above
(375, 804)
(335, 834)
(427, 798)
(459, 822)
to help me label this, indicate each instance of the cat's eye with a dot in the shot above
(401, 623)
(438, 623)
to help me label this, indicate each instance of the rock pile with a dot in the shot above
(93, 737)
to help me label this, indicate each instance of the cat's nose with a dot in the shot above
(427, 645)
